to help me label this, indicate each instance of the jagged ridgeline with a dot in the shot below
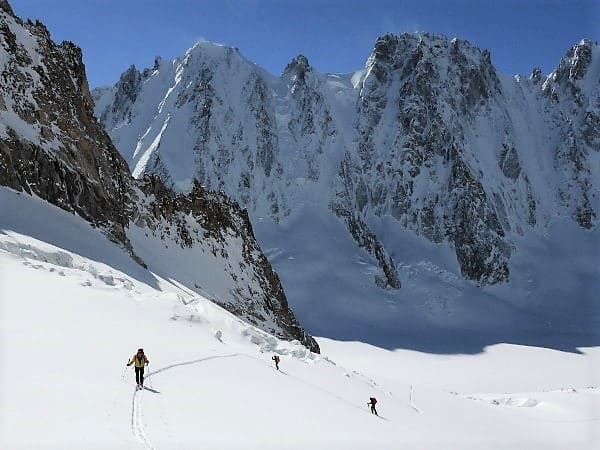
(429, 134)
(52, 146)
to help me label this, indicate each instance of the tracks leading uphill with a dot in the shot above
(137, 414)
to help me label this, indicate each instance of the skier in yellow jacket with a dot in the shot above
(140, 361)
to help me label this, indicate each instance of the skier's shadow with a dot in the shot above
(151, 390)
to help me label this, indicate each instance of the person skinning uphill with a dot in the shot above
(372, 403)
(140, 361)
(276, 359)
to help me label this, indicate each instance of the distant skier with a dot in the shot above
(276, 359)
(372, 403)
(140, 361)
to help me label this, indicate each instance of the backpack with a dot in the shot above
(373, 400)
(276, 358)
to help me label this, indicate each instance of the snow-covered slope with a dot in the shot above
(52, 147)
(75, 307)
(424, 168)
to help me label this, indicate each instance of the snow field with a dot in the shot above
(66, 334)
(66, 342)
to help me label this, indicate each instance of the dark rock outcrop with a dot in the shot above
(573, 103)
(425, 145)
(220, 218)
(67, 158)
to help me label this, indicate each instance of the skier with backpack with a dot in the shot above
(276, 359)
(372, 403)
(140, 361)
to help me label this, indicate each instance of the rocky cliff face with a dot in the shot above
(65, 158)
(213, 222)
(412, 161)
(317, 137)
(571, 97)
(429, 133)
(310, 124)
(51, 145)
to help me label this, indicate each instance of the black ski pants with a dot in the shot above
(139, 375)
(373, 410)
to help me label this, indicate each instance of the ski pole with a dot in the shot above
(148, 376)
(124, 372)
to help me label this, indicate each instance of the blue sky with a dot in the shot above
(336, 36)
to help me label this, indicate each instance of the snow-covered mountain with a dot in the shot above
(52, 147)
(95, 263)
(429, 134)
(427, 150)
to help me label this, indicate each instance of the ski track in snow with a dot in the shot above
(331, 394)
(137, 419)
(137, 415)
(411, 401)
(187, 363)
(366, 381)
(505, 399)
(196, 361)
